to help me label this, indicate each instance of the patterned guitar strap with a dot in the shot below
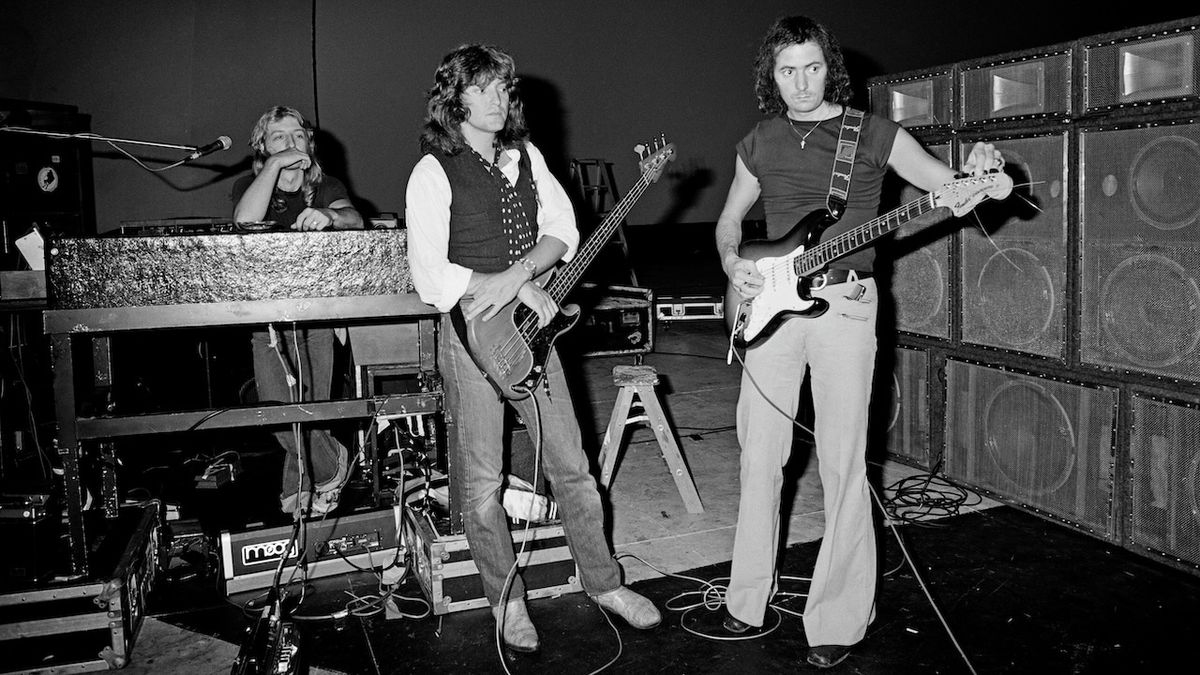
(843, 161)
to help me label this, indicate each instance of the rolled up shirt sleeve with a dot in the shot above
(439, 282)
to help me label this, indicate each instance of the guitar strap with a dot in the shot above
(843, 162)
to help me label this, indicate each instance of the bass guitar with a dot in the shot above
(789, 262)
(511, 348)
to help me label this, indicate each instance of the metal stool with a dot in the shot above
(640, 381)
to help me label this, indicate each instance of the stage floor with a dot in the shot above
(1020, 594)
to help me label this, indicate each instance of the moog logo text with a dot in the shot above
(266, 552)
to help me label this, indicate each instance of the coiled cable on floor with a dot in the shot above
(711, 597)
(924, 497)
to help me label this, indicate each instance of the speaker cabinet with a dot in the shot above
(908, 414)
(1140, 286)
(45, 182)
(1038, 442)
(920, 281)
(922, 99)
(1147, 65)
(1164, 478)
(1014, 252)
(1018, 86)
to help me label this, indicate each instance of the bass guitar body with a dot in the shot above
(786, 293)
(511, 352)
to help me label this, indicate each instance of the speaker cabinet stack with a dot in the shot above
(1064, 376)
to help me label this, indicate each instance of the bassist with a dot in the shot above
(787, 161)
(485, 217)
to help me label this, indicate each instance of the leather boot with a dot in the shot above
(518, 631)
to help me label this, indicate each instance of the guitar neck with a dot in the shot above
(858, 237)
(572, 272)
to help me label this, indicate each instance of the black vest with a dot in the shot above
(477, 237)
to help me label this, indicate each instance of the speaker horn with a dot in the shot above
(1158, 69)
(912, 106)
(1019, 88)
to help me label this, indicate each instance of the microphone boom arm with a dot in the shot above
(94, 137)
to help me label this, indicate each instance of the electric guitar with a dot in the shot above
(511, 348)
(788, 262)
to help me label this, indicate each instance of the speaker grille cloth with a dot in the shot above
(920, 277)
(1165, 476)
(1041, 443)
(1141, 250)
(1151, 69)
(908, 422)
(1015, 257)
(1040, 86)
(916, 101)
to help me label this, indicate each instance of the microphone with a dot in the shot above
(222, 143)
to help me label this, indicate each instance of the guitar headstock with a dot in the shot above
(653, 159)
(963, 194)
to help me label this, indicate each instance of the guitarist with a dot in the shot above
(485, 217)
(787, 161)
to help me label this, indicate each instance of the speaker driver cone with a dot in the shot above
(1165, 183)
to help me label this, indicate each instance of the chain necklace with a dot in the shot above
(803, 137)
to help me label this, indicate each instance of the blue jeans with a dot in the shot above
(314, 349)
(476, 453)
(839, 349)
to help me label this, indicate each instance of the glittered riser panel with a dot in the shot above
(141, 271)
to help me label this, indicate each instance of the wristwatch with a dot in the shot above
(529, 266)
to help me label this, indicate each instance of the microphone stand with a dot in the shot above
(95, 137)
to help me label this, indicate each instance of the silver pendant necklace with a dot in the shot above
(803, 137)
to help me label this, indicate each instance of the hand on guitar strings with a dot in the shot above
(536, 298)
(491, 292)
(745, 278)
(495, 291)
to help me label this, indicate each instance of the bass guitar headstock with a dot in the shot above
(653, 158)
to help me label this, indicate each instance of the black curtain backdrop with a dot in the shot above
(600, 77)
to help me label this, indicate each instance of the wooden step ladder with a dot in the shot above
(597, 187)
(640, 381)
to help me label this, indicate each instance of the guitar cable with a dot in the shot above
(890, 521)
(507, 588)
(512, 571)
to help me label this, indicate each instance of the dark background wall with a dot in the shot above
(598, 77)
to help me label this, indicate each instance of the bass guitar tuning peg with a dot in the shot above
(640, 149)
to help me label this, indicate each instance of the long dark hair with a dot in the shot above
(468, 65)
(794, 30)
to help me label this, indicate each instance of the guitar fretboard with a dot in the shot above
(570, 274)
(827, 251)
